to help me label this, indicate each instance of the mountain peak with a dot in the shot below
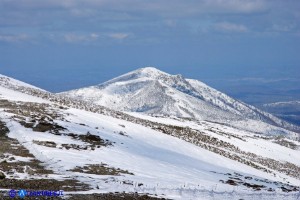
(149, 69)
(154, 73)
(150, 72)
(145, 72)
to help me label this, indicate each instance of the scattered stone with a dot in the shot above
(2, 176)
(101, 169)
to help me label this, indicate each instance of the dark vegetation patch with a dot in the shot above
(231, 182)
(3, 129)
(45, 143)
(289, 189)
(283, 142)
(256, 184)
(12, 148)
(3, 136)
(101, 169)
(127, 182)
(52, 144)
(94, 141)
(2, 176)
(32, 167)
(81, 124)
(114, 196)
(41, 116)
(75, 146)
(42, 111)
(123, 126)
(222, 133)
(42, 126)
(44, 184)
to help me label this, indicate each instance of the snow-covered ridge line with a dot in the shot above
(10, 82)
(151, 91)
(150, 72)
(244, 109)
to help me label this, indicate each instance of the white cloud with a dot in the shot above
(119, 36)
(235, 6)
(86, 38)
(144, 19)
(13, 38)
(170, 23)
(76, 38)
(94, 36)
(282, 27)
(157, 7)
(230, 27)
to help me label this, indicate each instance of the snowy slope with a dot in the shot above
(13, 83)
(227, 163)
(150, 91)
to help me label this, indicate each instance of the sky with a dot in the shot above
(229, 44)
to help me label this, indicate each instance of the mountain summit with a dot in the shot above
(151, 91)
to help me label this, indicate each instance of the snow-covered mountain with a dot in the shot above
(151, 91)
(50, 142)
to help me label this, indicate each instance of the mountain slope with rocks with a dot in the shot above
(53, 142)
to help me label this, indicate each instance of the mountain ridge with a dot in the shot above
(11, 82)
(151, 91)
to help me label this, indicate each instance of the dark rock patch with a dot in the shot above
(2, 176)
(101, 169)
(95, 141)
